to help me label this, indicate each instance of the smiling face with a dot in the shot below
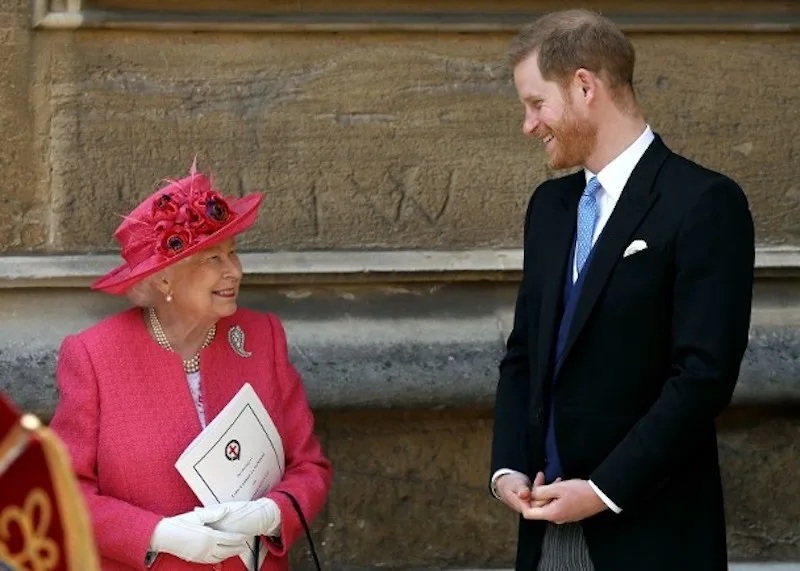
(204, 288)
(552, 116)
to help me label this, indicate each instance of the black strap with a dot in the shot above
(305, 528)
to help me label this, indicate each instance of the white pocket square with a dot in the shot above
(633, 247)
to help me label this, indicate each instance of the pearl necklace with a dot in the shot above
(190, 365)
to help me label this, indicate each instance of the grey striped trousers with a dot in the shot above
(564, 549)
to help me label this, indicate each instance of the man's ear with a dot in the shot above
(586, 83)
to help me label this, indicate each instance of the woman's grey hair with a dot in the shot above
(145, 293)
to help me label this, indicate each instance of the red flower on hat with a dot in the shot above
(188, 217)
(169, 218)
(174, 239)
(179, 218)
(165, 207)
(212, 210)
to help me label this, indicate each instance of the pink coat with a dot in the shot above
(125, 414)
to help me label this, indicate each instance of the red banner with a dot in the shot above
(44, 525)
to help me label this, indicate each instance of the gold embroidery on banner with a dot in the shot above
(39, 552)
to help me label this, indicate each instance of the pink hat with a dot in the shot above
(173, 223)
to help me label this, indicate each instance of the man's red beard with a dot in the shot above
(573, 142)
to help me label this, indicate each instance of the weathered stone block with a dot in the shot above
(15, 15)
(411, 491)
(760, 458)
(687, 88)
(381, 140)
(25, 202)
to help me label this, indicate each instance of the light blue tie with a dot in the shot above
(587, 220)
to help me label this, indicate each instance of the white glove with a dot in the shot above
(257, 517)
(189, 537)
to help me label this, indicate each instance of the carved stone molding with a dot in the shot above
(348, 267)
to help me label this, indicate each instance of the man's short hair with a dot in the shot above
(572, 39)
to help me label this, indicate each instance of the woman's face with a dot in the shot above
(205, 287)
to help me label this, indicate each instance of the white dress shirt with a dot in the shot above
(613, 178)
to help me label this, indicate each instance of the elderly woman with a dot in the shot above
(138, 387)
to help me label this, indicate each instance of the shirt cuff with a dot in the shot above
(503, 472)
(606, 500)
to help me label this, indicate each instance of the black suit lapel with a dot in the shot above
(561, 234)
(637, 198)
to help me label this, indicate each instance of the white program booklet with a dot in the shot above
(238, 456)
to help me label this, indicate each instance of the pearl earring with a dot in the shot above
(169, 297)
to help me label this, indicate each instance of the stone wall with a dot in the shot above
(361, 140)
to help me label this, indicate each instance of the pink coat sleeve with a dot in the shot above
(122, 530)
(308, 472)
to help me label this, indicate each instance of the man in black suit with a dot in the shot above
(630, 324)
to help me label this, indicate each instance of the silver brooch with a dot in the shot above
(236, 339)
